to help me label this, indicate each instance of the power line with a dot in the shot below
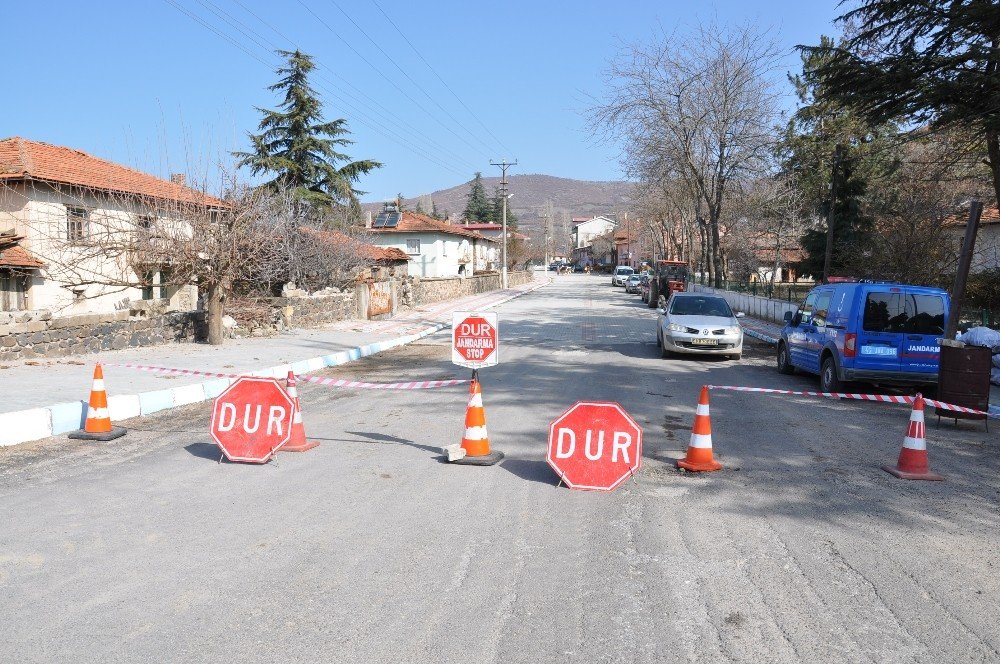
(374, 106)
(443, 82)
(382, 131)
(383, 75)
(407, 76)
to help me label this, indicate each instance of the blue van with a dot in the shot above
(878, 333)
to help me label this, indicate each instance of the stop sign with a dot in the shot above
(474, 339)
(251, 419)
(595, 445)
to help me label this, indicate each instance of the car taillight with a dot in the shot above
(850, 344)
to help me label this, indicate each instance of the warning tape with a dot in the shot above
(328, 382)
(885, 398)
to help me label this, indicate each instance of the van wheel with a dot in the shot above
(828, 380)
(784, 362)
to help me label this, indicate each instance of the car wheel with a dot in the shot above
(828, 380)
(784, 362)
(659, 339)
(664, 353)
(736, 357)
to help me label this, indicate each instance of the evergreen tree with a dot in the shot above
(298, 149)
(477, 207)
(934, 62)
(807, 151)
(434, 209)
(496, 210)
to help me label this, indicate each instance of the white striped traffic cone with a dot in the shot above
(98, 423)
(913, 463)
(298, 442)
(475, 447)
(699, 453)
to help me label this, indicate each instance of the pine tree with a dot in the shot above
(434, 209)
(298, 149)
(496, 210)
(477, 207)
(807, 151)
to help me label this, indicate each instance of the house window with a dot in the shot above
(13, 290)
(413, 247)
(76, 223)
(145, 222)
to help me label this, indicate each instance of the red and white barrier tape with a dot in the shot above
(886, 398)
(329, 382)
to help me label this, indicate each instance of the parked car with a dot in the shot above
(700, 324)
(632, 283)
(872, 332)
(644, 287)
(578, 267)
(621, 273)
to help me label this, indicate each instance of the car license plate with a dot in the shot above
(705, 342)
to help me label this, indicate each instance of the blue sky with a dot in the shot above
(145, 84)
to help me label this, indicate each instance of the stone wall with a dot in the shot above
(30, 334)
(316, 310)
(429, 290)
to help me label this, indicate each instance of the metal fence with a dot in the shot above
(969, 317)
(779, 291)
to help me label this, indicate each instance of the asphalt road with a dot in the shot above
(370, 548)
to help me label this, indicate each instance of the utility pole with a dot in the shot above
(964, 263)
(504, 165)
(838, 155)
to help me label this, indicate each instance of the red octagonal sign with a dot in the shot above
(251, 419)
(474, 339)
(595, 445)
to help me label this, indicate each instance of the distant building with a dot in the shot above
(587, 229)
(987, 252)
(435, 248)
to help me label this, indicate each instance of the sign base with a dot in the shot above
(116, 432)
(494, 457)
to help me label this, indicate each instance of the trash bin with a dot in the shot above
(964, 379)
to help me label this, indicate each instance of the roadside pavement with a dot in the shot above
(40, 385)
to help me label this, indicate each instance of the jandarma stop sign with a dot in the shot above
(252, 419)
(595, 445)
(475, 339)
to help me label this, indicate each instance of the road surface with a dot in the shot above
(369, 548)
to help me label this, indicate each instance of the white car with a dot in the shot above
(699, 324)
(621, 275)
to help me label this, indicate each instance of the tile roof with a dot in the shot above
(991, 215)
(13, 254)
(368, 250)
(413, 222)
(23, 159)
(483, 227)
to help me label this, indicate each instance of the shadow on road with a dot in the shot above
(384, 439)
(208, 451)
(532, 471)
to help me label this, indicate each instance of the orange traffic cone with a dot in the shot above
(912, 464)
(98, 423)
(699, 455)
(476, 441)
(298, 442)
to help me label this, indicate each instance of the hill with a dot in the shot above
(530, 193)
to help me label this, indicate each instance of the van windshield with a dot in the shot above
(904, 312)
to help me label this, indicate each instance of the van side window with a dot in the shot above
(884, 313)
(924, 314)
(822, 309)
(806, 310)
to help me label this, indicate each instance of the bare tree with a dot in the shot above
(699, 109)
(775, 217)
(101, 244)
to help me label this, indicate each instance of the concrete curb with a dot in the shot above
(24, 426)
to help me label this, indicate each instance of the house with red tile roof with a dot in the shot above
(54, 199)
(435, 248)
(986, 255)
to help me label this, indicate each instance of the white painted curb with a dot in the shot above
(24, 426)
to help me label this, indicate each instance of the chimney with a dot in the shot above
(178, 178)
(368, 219)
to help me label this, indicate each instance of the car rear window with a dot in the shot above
(700, 306)
(909, 313)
